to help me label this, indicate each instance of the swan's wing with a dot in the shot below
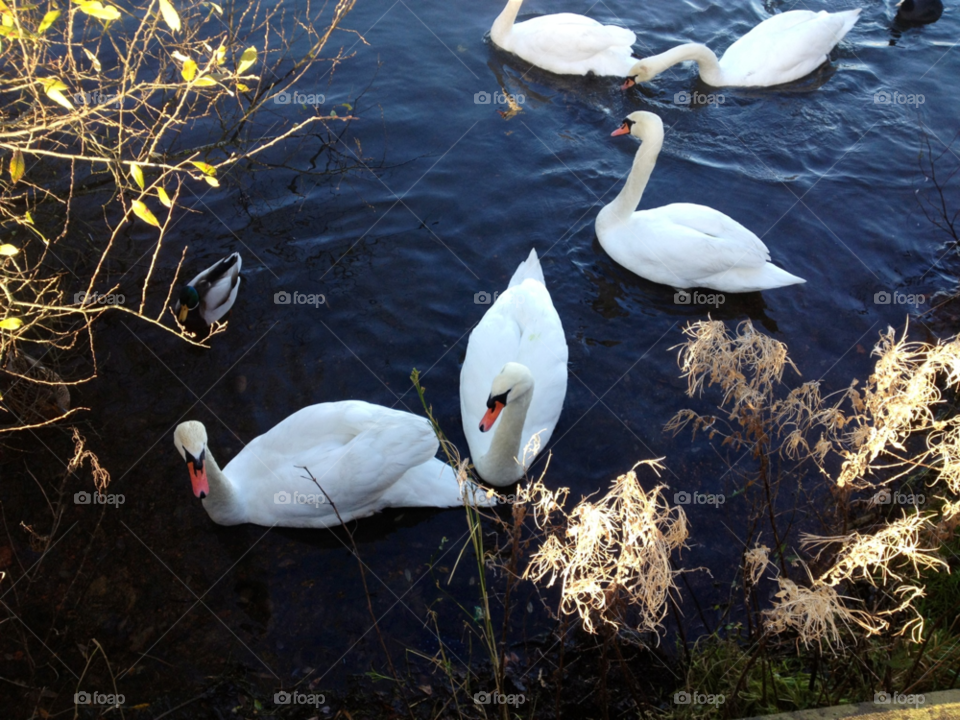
(521, 326)
(691, 242)
(574, 38)
(543, 349)
(786, 46)
(355, 450)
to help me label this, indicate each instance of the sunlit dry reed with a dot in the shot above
(610, 556)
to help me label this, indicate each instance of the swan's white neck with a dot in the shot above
(624, 205)
(504, 22)
(707, 63)
(499, 466)
(223, 503)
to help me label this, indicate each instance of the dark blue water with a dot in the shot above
(445, 199)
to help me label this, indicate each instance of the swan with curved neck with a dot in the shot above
(565, 43)
(364, 458)
(781, 49)
(682, 245)
(509, 400)
(514, 377)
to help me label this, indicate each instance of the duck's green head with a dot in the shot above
(189, 300)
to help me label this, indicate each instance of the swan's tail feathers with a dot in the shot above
(529, 268)
(434, 484)
(774, 277)
(850, 18)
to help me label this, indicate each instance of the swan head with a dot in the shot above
(514, 381)
(189, 300)
(638, 124)
(190, 439)
(640, 72)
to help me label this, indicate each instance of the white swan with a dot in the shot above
(682, 245)
(565, 43)
(365, 457)
(514, 376)
(781, 49)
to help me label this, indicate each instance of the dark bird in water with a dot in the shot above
(919, 12)
(210, 295)
(30, 392)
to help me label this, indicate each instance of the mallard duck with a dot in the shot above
(212, 293)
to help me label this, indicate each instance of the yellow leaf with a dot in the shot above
(54, 88)
(137, 174)
(189, 71)
(143, 212)
(214, 6)
(242, 88)
(219, 55)
(164, 198)
(95, 8)
(205, 81)
(28, 217)
(93, 60)
(204, 168)
(47, 21)
(170, 16)
(247, 60)
(17, 167)
(211, 181)
(10, 323)
(8, 250)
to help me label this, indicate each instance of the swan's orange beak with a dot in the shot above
(490, 416)
(198, 478)
(622, 130)
(628, 83)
